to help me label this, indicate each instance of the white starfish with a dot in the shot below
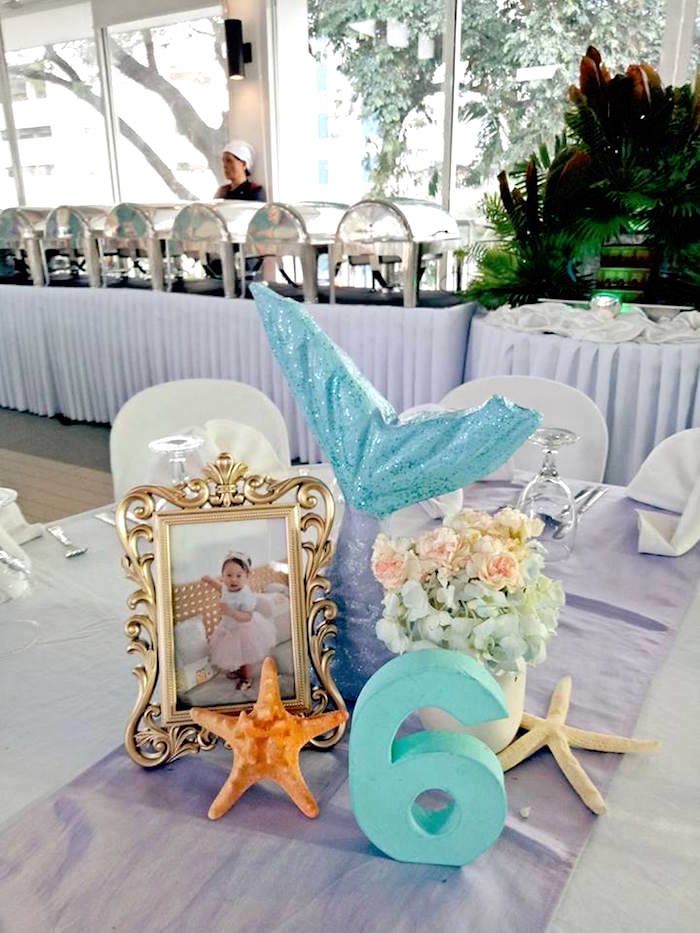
(561, 738)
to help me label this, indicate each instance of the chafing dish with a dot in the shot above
(385, 233)
(21, 232)
(304, 231)
(70, 245)
(213, 236)
(133, 243)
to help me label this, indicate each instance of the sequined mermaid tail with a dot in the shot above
(381, 464)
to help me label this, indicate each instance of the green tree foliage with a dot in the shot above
(511, 117)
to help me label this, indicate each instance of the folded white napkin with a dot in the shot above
(555, 318)
(670, 479)
(12, 520)
(245, 444)
(14, 531)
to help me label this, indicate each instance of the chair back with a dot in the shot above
(173, 406)
(562, 406)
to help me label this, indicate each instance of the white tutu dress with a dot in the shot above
(234, 643)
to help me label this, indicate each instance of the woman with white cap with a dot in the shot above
(238, 159)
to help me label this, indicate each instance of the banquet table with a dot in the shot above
(83, 352)
(264, 866)
(646, 392)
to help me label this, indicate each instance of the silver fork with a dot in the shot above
(72, 550)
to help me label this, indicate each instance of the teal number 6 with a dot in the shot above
(388, 774)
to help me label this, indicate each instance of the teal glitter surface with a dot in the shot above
(381, 464)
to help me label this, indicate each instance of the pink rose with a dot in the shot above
(389, 564)
(500, 571)
(462, 555)
(438, 547)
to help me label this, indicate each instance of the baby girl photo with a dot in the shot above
(231, 609)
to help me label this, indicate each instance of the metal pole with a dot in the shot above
(452, 45)
(10, 128)
(452, 50)
(108, 111)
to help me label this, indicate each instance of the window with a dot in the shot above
(171, 97)
(323, 171)
(518, 60)
(323, 126)
(695, 51)
(57, 106)
(382, 92)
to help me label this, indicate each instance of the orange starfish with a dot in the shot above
(266, 743)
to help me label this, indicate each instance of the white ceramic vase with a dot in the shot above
(498, 733)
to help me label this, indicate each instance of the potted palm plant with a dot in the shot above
(631, 219)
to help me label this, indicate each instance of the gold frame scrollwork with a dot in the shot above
(153, 735)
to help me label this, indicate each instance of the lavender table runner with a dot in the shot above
(124, 849)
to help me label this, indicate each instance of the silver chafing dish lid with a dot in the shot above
(278, 225)
(129, 221)
(68, 222)
(214, 222)
(22, 223)
(396, 220)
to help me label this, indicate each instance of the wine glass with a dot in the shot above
(177, 447)
(548, 497)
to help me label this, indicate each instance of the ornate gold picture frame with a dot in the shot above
(163, 529)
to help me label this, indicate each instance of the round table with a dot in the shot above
(646, 392)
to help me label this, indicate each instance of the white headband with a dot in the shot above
(243, 151)
(239, 555)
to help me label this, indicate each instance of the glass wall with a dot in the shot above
(378, 97)
(57, 104)
(518, 60)
(360, 93)
(171, 100)
(694, 66)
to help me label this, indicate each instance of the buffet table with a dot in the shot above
(646, 392)
(83, 353)
(264, 866)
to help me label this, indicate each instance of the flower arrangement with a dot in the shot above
(475, 585)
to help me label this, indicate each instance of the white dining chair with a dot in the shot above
(174, 406)
(562, 406)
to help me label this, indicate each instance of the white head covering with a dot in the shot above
(243, 151)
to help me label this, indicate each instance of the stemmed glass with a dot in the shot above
(548, 497)
(177, 447)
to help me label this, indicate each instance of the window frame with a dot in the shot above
(679, 32)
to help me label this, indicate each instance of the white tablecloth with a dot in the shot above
(66, 700)
(646, 392)
(83, 353)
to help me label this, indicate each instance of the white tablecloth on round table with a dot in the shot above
(646, 392)
(83, 353)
